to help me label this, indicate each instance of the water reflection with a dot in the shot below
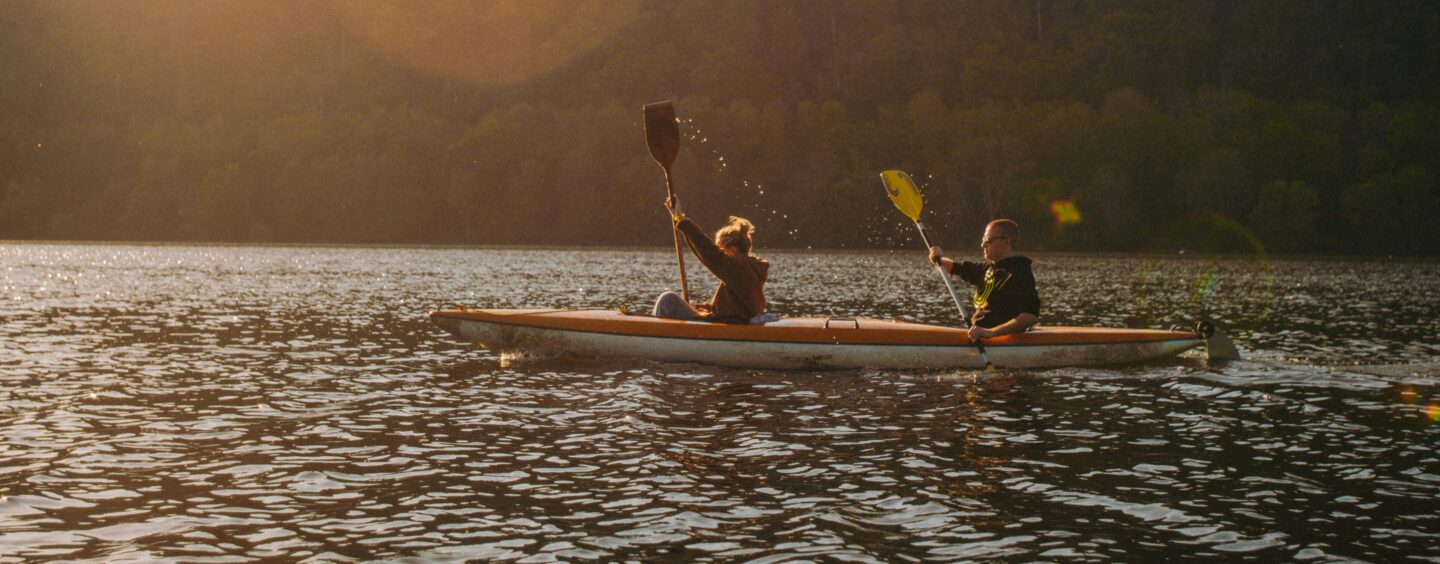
(293, 403)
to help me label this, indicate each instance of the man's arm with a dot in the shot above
(1020, 323)
(969, 274)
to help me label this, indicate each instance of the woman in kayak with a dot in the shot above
(741, 295)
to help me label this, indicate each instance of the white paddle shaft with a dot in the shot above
(954, 295)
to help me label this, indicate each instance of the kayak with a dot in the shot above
(801, 342)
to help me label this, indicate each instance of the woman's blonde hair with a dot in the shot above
(736, 234)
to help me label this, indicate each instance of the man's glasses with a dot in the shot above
(985, 242)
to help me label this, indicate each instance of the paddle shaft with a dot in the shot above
(954, 295)
(675, 230)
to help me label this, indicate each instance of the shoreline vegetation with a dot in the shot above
(1265, 127)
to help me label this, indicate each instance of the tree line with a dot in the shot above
(1292, 127)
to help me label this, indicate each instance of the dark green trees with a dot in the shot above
(1314, 126)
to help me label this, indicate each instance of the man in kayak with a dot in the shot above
(1005, 298)
(741, 295)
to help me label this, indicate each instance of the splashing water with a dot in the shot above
(755, 205)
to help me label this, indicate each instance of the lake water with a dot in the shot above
(241, 403)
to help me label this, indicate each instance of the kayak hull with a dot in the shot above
(801, 343)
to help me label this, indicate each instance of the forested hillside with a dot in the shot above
(1292, 126)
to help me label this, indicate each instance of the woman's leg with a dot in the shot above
(671, 305)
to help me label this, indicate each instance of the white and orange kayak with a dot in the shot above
(803, 342)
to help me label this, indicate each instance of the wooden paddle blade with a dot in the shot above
(662, 133)
(903, 193)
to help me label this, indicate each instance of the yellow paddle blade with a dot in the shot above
(903, 193)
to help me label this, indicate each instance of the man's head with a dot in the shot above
(1001, 236)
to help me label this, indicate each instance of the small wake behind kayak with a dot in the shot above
(802, 342)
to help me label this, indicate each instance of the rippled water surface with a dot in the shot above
(224, 403)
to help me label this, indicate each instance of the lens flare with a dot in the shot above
(231, 50)
(498, 41)
(1065, 212)
(1206, 284)
(1204, 233)
(1432, 412)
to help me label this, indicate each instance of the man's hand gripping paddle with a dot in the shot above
(906, 196)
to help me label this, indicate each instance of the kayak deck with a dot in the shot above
(804, 342)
